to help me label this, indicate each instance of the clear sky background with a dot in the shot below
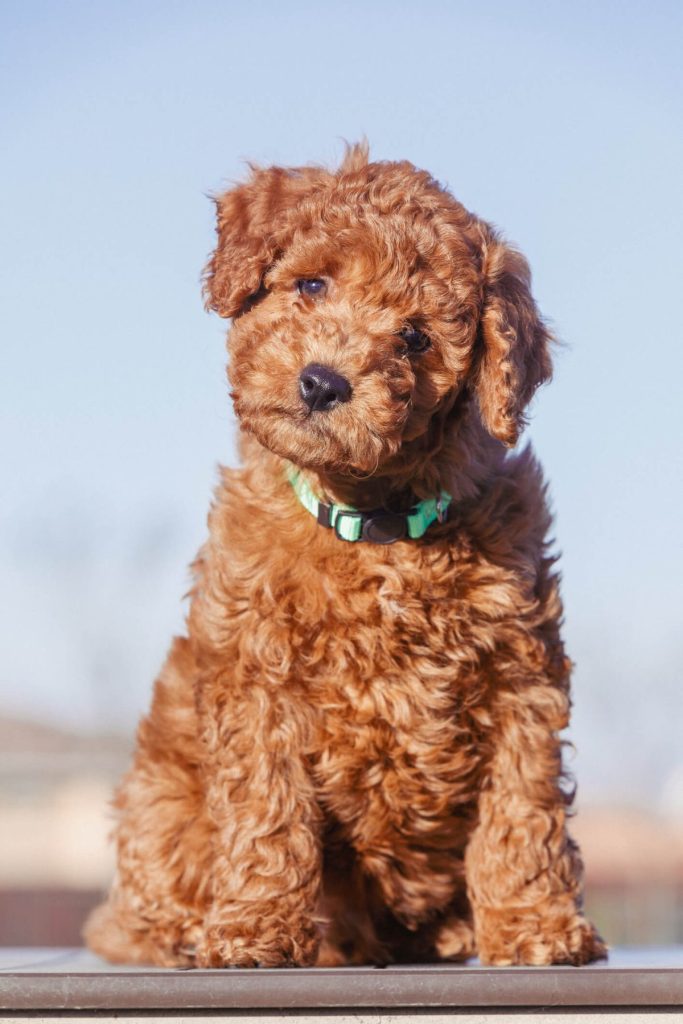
(559, 122)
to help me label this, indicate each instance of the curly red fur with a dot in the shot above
(354, 754)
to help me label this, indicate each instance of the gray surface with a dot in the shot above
(46, 979)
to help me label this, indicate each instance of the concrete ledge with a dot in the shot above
(53, 980)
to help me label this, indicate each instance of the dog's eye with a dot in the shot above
(416, 341)
(311, 286)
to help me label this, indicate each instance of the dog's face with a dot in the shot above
(364, 302)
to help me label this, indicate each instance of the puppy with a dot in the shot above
(353, 755)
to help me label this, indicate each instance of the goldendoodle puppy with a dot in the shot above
(353, 755)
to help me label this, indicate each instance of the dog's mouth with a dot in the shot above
(341, 439)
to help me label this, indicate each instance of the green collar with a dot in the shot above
(378, 526)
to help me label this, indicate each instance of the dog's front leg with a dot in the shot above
(523, 870)
(267, 862)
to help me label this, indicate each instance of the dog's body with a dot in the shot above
(353, 757)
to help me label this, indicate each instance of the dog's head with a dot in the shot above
(365, 303)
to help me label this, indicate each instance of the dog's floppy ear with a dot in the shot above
(253, 223)
(514, 343)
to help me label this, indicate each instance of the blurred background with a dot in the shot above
(558, 122)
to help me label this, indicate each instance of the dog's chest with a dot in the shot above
(393, 676)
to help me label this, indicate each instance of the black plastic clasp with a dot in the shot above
(384, 527)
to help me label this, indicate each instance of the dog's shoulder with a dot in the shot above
(510, 514)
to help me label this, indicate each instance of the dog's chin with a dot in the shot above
(360, 452)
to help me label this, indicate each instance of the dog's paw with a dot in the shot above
(122, 935)
(454, 940)
(506, 940)
(235, 946)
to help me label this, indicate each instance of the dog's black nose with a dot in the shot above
(322, 388)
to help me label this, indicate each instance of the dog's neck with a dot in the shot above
(464, 458)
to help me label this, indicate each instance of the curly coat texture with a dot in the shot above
(353, 756)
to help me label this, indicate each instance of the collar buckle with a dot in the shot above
(384, 527)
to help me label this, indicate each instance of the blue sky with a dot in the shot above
(559, 122)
